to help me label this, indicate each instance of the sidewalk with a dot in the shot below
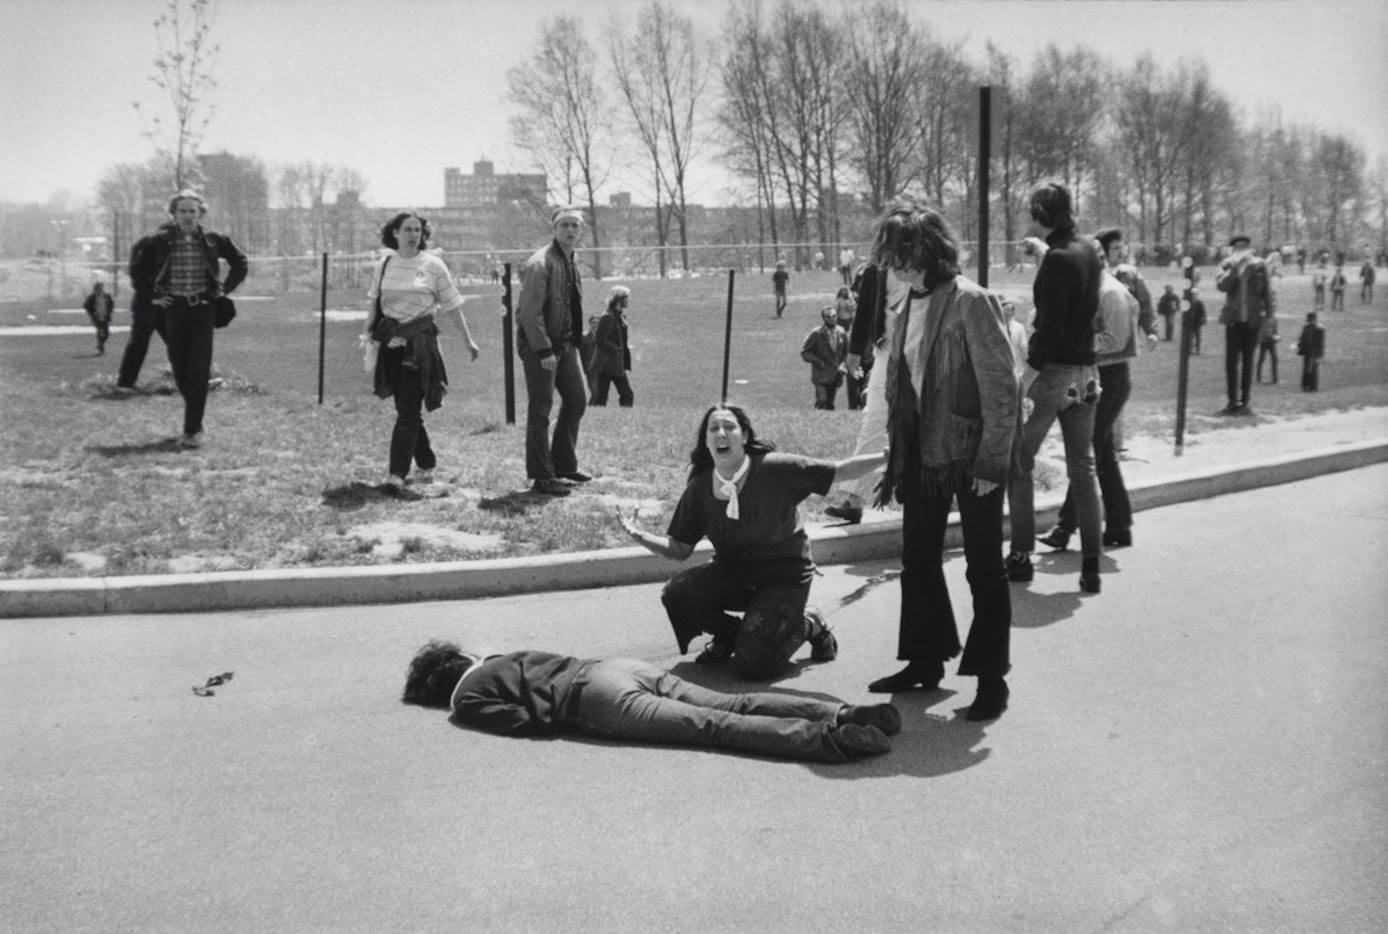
(1214, 461)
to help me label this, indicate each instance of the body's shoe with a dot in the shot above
(576, 476)
(395, 488)
(549, 486)
(990, 701)
(823, 646)
(1056, 538)
(883, 716)
(422, 475)
(1089, 581)
(916, 676)
(193, 440)
(715, 653)
(1118, 538)
(1019, 567)
(856, 741)
(846, 511)
(122, 390)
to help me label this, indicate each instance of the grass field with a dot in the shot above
(94, 484)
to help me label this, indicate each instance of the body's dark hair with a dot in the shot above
(618, 294)
(1107, 236)
(1051, 206)
(700, 459)
(392, 225)
(843, 292)
(915, 236)
(187, 194)
(434, 673)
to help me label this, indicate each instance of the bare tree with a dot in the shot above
(183, 71)
(564, 121)
(662, 70)
(745, 114)
(883, 82)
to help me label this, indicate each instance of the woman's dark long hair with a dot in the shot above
(434, 673)
(700, 459)
(915, 236)
(393, 225)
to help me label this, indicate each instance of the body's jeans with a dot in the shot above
(1264, 352)
(1240, 341)
(773, 624)
(627, 699)
(409, 441)
(188, 330)
(1058, 393)
(927, 630)
(543, 459)
(625, 397)
(1118, 510)
(144, 321)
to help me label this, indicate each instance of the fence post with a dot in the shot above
(322, 325)
(985, 146)
(1183, 374)
(728, 333)
(508, 359)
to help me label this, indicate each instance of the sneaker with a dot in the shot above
(883, 716)
(193, 440)
(1056, 538)
(846, 511)
(422, 475)
(1019, 567)
(394, 487)
(823, 646)
(715, 653)
(549, 486)
(122, 390)
(576, 476)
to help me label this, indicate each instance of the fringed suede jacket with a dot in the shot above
(963, 423)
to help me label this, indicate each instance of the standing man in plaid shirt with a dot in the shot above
(176, 272)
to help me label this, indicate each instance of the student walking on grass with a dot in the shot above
(98, 306)
(612, 351)
(409, 290)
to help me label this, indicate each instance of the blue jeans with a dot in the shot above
(188, 331)
(1118, 509)
(627, 699)
(409, 441)
(545, 460)
(772, 626)
(1069, 394)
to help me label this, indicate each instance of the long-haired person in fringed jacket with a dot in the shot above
(952, 402)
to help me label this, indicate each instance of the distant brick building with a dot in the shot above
(485, 187)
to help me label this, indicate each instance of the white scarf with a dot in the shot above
(729, 487)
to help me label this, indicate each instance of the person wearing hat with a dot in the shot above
(1249, 297)
(534, 693)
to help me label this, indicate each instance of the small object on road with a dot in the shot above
(212, 682)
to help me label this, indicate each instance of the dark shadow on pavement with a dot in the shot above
(929, 745)
(1033, 610)
(163, 446)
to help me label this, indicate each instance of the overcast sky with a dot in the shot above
(400, 89)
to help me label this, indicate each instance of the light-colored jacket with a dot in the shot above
(967, 415)
(1119, 311)
(1247, 285)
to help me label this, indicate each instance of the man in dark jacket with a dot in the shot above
(541, 693)
(1062, 382)
(549, 324)
(176, 274)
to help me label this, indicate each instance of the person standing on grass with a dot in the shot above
(612, 350)
(744, 498)
(409, 290)
(533, 693)
(1367, 274)
(176, 271)
(825, 349)
(952, 414)
(1167, 306)
(1311, 348)
(1267, 346)
(99, 306)
(780, 279)
(549, 326)
(1338, 282)
(1318, 288)
(1249, 297)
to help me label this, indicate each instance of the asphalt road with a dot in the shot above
(1202, 747)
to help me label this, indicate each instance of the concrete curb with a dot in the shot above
(460, 580)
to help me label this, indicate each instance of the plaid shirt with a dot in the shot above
(186, 275)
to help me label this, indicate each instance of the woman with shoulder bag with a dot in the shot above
(409, 290)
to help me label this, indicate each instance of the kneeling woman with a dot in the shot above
(744, 498)
(409, 290)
